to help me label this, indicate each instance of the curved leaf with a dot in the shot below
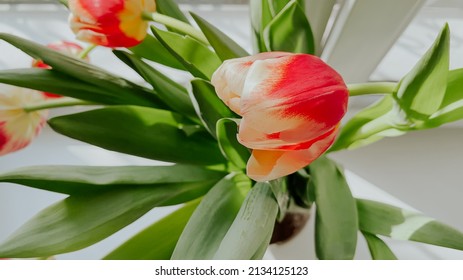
(250, 231)
(397, 223)
(82, 180)
(156, 242)
(171, 93)
(219, 208)
(199, 60)
(140, 131)
(150, 48)
(421, 92)
(236, 153)
(208, 105)
(378, 249)
(87, 73)
(336, 222)
(170, 8)
(281, 35)
(225, 47)
(82, 220)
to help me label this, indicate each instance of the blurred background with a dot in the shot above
(365, 40)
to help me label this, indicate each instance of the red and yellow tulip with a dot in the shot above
(291, 106)
(110, 23)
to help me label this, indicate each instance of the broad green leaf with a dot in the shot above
(280, 34)
(81, 180)
(252, 226)
(336, 222)
(232, 150)
(141, 131)
(380, 120)
(280, 191)
(82, 220)
(197, 58)
(201, 239)
(156, 242)
(153, 50)
(117, 87)
(59, 83)
(421, 91)
(452, 106)
(259, 255)
(171, 93)
(378, 249)
(397, 223)
(208, 105)
(225, 47)
(277, 5)
(261, 15)
(170, 8)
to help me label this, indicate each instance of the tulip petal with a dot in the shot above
(265, 165)
(110, 23)
(18, 128)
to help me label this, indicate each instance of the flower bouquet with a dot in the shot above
(246, 144)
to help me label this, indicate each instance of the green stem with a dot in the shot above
(64, 2)
(176, 24)
(83, 54)
(56, 103)
(371, 88)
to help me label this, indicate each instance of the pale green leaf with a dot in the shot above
(336, 222)
(378, 249)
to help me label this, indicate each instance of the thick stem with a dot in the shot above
(56, 103)
(371, 88)
(177, 25)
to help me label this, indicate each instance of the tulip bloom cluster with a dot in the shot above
(110, 23)
(18, 127)
(291, 106)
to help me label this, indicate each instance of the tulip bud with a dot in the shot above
(18, 127)
(110, 23)
(291, 106)
(66, 47)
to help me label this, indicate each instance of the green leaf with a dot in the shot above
(280, 191)
(252, 226)
(197, 58)
(150, 48)
(117, 87)
(421, 92)
(59, 83)
(397, 223)
(380, 120)
(171, 93)
(156, 242)
(378, 249)
(336, 222)
(452, 106)
(200, 240)
(140, 131)
(208, 105)
(232, 150)
(170, 8)
(261, 15)
(280, 34)
(81, 180)
(82, 220)
(225, 47)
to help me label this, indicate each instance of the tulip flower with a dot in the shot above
(291, 106)
(18, 127)
(66, 47)
(110, 23)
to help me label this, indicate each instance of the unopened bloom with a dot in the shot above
(110, 23)
(18, 127)
(291, 106)
(66, 47)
